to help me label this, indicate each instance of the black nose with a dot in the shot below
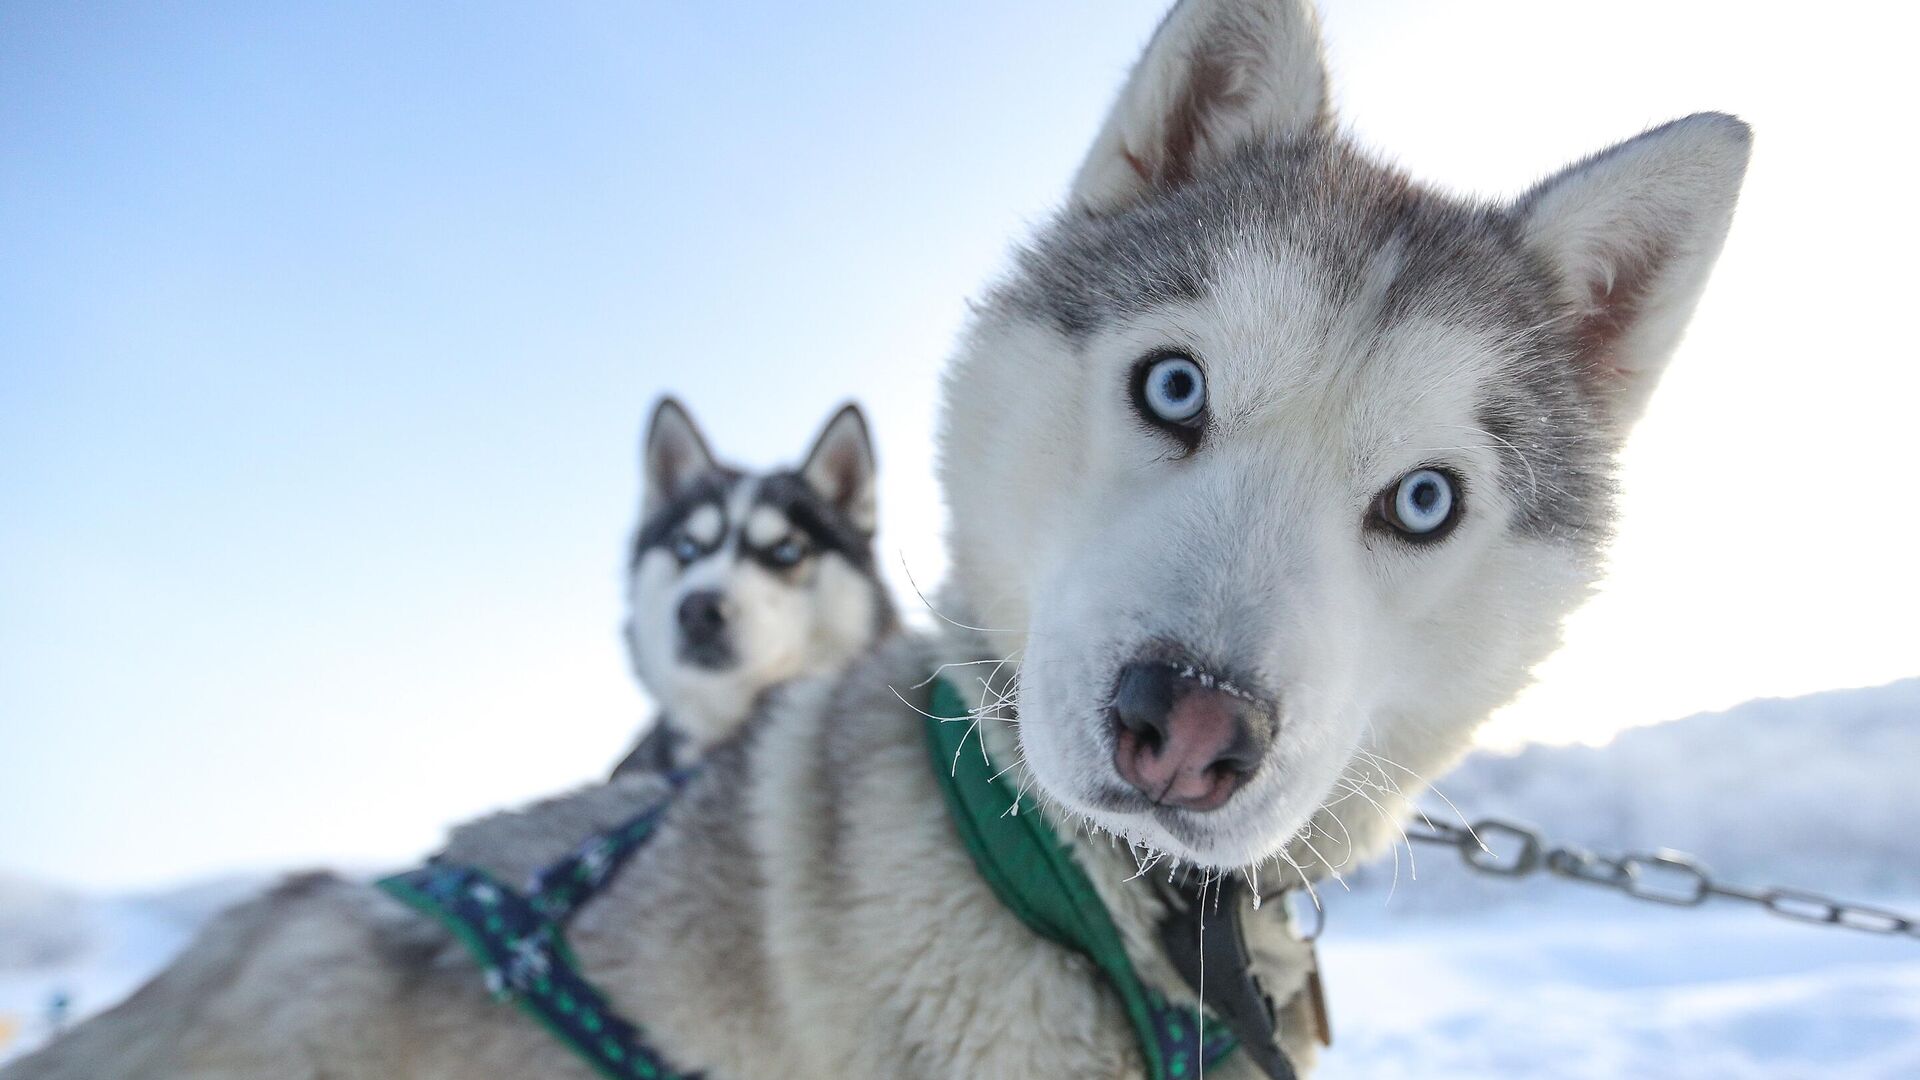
(1143, 699)
(1186, 737)
(703, 617)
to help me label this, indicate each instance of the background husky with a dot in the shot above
(739, 581)
(1271, 471)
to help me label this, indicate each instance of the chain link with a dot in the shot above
(1505, 849)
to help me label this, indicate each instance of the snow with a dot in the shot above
(1457, 974)
(1601, 987)
(93, 950)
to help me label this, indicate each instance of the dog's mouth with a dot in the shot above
(1174, 755)
(1123, 801)
(1195, 835)
(713, 656)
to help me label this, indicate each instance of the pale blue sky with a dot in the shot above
(326, 333)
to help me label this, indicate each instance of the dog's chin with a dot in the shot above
(1249, 829)
(1229, 838)
(705, 703)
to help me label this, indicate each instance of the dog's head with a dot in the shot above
(739, 581)
(1280, 466)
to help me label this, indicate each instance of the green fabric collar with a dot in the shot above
(1036, 876)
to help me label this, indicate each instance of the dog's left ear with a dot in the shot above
(1217, 75)
(840, 467)
(674, 455)
(1631, 235)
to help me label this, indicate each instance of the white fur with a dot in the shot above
(706, 524)
(767, 527)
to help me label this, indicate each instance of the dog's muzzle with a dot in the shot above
(703, 617)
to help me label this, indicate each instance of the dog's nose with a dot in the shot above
(703, 616)
(1185, 738)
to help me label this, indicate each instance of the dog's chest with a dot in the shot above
(889, 954)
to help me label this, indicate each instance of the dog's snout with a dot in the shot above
(1184, 737)
(703, 616)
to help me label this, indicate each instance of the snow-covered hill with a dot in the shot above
(1464, 975)
(1459, 975)
(91, 951)
(1817, 792)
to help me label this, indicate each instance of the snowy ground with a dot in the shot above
(1595, 986)
(91, 950)
(1459, 975)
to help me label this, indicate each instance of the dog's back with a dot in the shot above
(326, 977)
(240, 1002)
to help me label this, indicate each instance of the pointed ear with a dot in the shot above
(840, 467)
(1631, 234)
(1217, 74)
(675, 455)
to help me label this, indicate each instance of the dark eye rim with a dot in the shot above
(1188, 432)
(685, 541)
(1382, 517)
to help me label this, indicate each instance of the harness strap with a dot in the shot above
(1036, 876)
(560, 889)
(520, 941)
(1215, 961)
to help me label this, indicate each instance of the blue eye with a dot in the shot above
(1172, 390)
(786, 553)
(686, 548)
(1422, 505)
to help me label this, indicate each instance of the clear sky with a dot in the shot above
(326, 333)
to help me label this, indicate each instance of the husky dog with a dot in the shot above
(1271, 471)
(739, 581)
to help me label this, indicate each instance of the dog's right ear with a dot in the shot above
(1630, 235)
(1218, 74)
(675, 455)
(840, 467)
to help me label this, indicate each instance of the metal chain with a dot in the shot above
(1664, 876)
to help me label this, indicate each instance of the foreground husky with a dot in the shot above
(1271, 470)
(741, 581)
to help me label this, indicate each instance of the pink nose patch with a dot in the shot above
(1199, 759)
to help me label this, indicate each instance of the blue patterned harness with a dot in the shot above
(519, 938)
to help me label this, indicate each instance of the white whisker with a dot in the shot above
(937, 613)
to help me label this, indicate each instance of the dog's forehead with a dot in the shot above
(1315, 197)
(1285, 342)
(1338, 301)
(1350, 358)
(766, 525)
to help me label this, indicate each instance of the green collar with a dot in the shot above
(1036, 876)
